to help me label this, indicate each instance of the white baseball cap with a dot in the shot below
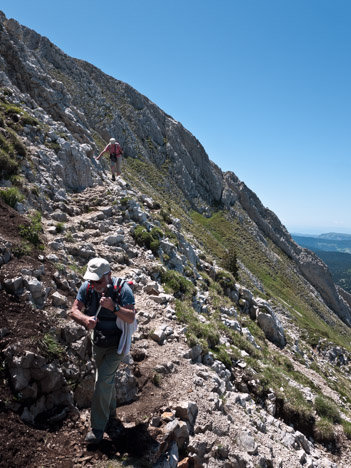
(96, 269)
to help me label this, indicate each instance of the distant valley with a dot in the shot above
(335, 251)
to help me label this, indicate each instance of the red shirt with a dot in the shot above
(114, 148)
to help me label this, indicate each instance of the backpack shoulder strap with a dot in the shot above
(88, 294)
(117, 288)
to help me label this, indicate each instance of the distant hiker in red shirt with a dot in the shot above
(115, 150)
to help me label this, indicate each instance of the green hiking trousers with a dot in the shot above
(103, 404)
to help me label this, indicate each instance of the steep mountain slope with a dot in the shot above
(255, 356)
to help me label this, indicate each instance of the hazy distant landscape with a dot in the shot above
(335, 251)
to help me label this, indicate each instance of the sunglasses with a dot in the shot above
(98, 282)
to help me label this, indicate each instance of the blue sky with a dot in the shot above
(263, 84)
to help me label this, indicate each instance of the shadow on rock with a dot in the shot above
(134, 442)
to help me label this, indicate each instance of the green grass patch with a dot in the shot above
(346, 425)
(148, 239)
(22, 250)
(26, 119)
(324, 431)
(204, 334)
(80, 270)
(8, 165)
(225, 280)
(60, 227)
(327, 409)
(157, 379)
(69, 237)
(31, 232)
(11, 196)
(226, 355)
(176, 284)
(50, 347)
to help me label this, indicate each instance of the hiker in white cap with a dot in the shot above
(106, 305)
(115, 151)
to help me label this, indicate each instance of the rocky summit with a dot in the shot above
(241, 356)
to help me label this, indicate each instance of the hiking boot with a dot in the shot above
(94, 437)
(113, 178)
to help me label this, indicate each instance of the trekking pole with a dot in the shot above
(109, 286)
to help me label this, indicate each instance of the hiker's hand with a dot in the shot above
(91, 323)
(107, 303)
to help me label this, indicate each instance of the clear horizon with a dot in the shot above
(264, 86)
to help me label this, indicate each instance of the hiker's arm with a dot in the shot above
(102, 152)
(126, 313)
(77, 315)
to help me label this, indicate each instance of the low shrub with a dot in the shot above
(327, 409)
(204, 334)
(124, 201)
(324, 431)
(225, 280)
(11, 195)
(49, 346)
(60, 227)
(157, 379)
(28, 120)
(148, 239)
(166, 216)
(347, 428)
(19, 147)
(230, 262)
(31, 232)
(21, 250)
(8, 165)
(176, 283)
